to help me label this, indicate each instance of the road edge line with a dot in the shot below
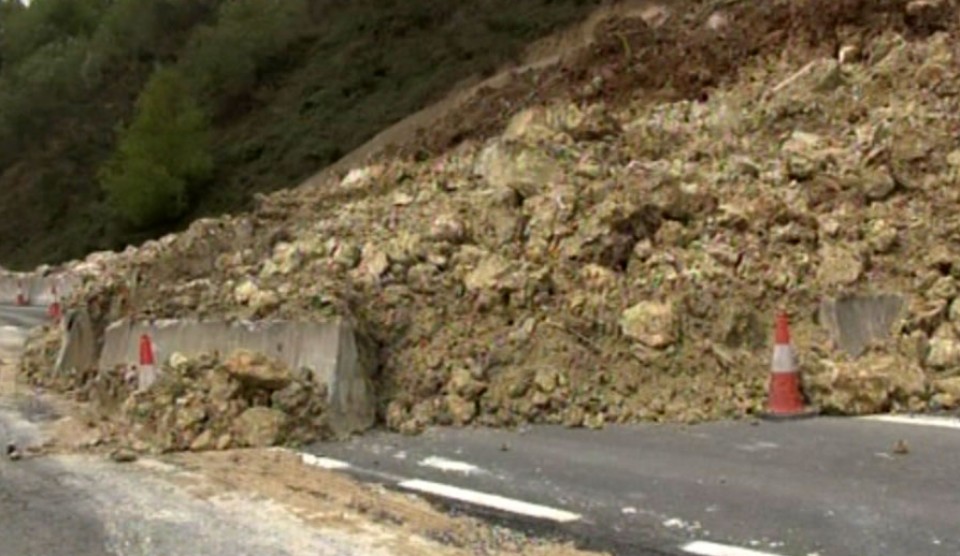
(917, 420)
(492, 501)
(707, 548)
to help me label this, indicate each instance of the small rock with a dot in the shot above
(546, 380)
(463, 411)
(373, 263)
(245, 292)
(651, 323)
(848, 54)
(488, 274)
(839, 265)
(123, 455)
(202, 442)
(950, 386)
(224, 442)
(463, 384)
(901, 448)
(523, 169)
(878, 185)
(944, 352)
(804, 155)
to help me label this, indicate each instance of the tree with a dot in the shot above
(46, 21)
(224, 58)
(162, 156)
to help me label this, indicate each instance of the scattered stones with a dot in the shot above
(593, 264)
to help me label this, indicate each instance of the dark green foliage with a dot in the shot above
(163, 154)
(289, 86)
(223, 59)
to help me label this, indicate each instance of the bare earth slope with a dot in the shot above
(617, 251)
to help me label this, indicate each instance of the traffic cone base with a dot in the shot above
(785, 397)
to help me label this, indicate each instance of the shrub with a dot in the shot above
(162, 156)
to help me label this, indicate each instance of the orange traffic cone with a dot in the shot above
(55, 311)
(21, 294)
(785, 399)
(148, 368)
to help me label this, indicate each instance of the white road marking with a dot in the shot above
(704, 548)
(444, 464)
(922, 420)
(758, 446)
(323, 463)
(490, 501)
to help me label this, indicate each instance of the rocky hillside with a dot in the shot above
(283, 93)
(617, 251)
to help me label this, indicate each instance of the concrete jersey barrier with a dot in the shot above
(37, 289)
(331, 350)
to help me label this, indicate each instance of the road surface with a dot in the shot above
(826, 487)
(74, 505)
(830, 487)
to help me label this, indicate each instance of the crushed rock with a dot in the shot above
(606, 262)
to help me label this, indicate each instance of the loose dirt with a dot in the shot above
(608, 239)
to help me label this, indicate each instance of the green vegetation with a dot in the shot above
(99, 147)
(164, 154)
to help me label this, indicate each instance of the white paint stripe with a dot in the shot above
(922, 420)
(704, 548)
(323, 463)
(444, 464)
(490, 501)
(783, 360)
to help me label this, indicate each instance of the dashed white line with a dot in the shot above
(921, 420)
(490, 501)
(323, 463)
(705, 548)
(444, 464)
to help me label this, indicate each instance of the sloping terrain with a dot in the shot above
(611, 244)
(331, 81)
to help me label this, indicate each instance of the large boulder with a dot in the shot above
(260, 427)
(874, 383)
(257, 371)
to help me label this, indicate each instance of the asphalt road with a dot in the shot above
(15, 322)
(830, 487)
(90, 506)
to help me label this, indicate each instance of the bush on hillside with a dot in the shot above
(161, 156)
(48, 21)
(224, 59)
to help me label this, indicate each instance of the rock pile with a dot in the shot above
(605, 263)
(201, 403)
(206, 403)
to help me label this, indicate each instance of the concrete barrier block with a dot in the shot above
(854, 321)
(78, 350)
(332, 350)
(37, 288)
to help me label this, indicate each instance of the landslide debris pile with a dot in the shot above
(603, 262)
(200, 403)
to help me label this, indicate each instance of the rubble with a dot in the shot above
(601, 262)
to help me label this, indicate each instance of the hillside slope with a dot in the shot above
(329, 83)
(613, 243)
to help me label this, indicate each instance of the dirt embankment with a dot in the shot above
(617, 251)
